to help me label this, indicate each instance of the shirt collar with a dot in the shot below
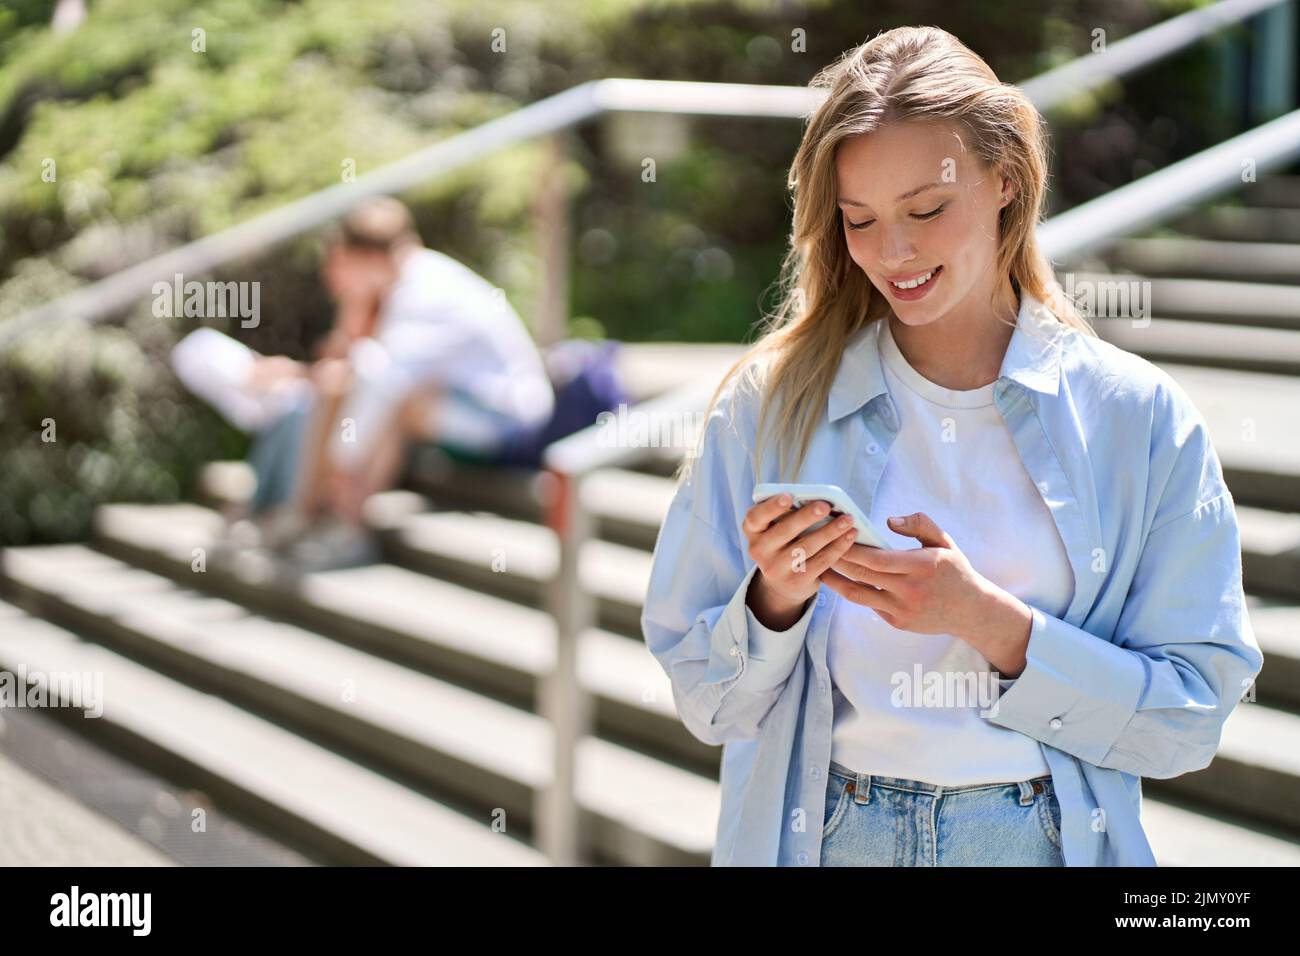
(1033, 359)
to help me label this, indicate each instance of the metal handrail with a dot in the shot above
(1140, 50)
(1157, 196)
(564, 702)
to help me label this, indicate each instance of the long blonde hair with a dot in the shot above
(908, 73)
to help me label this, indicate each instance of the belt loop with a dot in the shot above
(1026, 793)
(862, 792)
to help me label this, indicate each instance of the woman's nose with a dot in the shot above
(896, 250)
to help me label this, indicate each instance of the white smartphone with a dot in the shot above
(839, 500)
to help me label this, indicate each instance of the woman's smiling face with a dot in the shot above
(913, 202)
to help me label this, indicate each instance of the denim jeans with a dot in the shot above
(870, 820)
(275, 456)
(472, 434)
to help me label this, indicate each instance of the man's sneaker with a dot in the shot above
(282, 528)
(334, 544)
(237, 537)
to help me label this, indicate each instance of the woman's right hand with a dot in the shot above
(790, 567)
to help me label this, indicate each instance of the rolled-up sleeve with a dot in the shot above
(726, 668)
(1153, 699)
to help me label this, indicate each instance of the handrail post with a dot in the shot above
(551, 216)
(564, 702)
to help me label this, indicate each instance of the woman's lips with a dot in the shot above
(920, 292)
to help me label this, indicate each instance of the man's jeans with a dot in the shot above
(277, 453)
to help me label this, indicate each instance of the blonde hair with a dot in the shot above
(904, 74)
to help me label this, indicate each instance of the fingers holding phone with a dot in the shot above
(789, 560)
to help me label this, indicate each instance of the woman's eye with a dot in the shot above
(916, 215)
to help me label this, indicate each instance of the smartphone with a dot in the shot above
(839, 500)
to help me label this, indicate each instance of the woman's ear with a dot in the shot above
(1008, 190)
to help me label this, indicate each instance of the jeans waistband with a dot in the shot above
(865, 781)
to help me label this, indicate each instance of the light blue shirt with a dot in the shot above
(1136, 679)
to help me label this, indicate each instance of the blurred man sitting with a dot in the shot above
(422, 348)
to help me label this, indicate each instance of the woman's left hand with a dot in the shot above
(929, 590)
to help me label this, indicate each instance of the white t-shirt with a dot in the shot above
(907, 704)
(444, 322)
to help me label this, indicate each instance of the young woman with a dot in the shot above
(1073, 617)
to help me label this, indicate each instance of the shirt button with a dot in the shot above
(1042, 487)
(822, 687)
(734, 652)
(814, 772)
(802, 858)
(873, 449)
(821, 600)
(1055, 723)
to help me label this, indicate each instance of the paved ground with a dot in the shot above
(40, 825)
(65, 801)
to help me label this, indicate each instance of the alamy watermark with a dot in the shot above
(35, 688)
(920, 688)
(208, 300)
(130, 910)
(1111, 298)
(641, 429)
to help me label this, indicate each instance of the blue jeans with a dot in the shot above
(277, 450)
(275, 455)
(870, 820)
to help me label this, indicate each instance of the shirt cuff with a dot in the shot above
(1077, 692)
(761, 658)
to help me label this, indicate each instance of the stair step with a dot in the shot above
(1217, 301)
(1242, 223)
(625, 504)
(1208, 259)
(300, 789)
(1275, 189)
(1255, 772)
(1270, 551)
(490, 643)
(1181, 837)
(1252, 425)
(404, 718)
(1277, 628)
(1246, 348)
(517, 559)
